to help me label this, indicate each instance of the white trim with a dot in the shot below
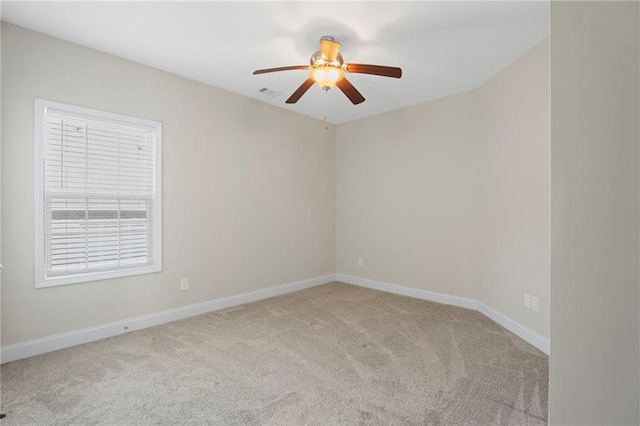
(65, 340)
(38, 211)
(447, 299)
(60, 341)
(515, 327)
(90, 114)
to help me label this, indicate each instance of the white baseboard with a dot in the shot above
(447, 299)
(60, 341)
(515, 327)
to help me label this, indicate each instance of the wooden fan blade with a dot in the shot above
(300, 91)
(352, 93)
(291, 68)
(329, 49)
(384, 71)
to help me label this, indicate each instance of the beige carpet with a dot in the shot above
(332, 354)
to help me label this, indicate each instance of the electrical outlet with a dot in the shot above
(184, 284)
(361, 262)
(527, 300)
(535, 304)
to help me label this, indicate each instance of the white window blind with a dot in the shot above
(100, 195)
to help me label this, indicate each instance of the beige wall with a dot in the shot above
(408, 194)
(594, 214)
(249, 189)
(515, 234)
(452, 196)
(1, 286)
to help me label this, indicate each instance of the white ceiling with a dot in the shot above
(442, 47)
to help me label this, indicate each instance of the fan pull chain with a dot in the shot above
(324, 114)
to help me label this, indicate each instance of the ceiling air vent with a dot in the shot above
(269, 92)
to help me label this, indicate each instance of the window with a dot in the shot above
(98, 195)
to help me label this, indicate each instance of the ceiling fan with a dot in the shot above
(327, 70)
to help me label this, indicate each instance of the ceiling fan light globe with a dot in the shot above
(327, 76)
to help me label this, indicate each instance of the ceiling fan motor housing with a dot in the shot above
(317, 60)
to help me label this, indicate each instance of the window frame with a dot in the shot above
(41, 281)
